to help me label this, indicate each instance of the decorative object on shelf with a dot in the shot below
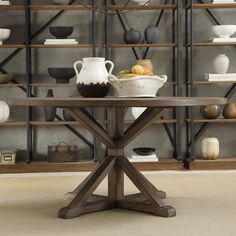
(61, 32)
(210, 148)
(210, 112)
(62, 75)
(143, 154)
(5, 78)
(224, 31)
(8, 157)
(229, 111)
(221, 64)
(146, 63)
(62, 153)
(139, 86)
(132, 36)
(67, 117)
(144, 151)
(141, 2)
(137, 111)
(49, 112)
(229, 77)
(4, 34)
(152, 34)
(61, 2)
(4, 111)
(60, 41)
(93, 80)
(5, 3)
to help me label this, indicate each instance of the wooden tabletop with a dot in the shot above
(118, 102)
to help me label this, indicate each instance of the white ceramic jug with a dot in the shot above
(93, 71)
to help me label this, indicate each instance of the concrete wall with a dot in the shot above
(154, 136)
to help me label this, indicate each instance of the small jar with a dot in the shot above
(210, 148)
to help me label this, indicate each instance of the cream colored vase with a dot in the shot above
(210, 148)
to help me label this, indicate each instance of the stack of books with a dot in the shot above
(4, 2)
(148, 158)
(60, 41)
(222, 1)
(229, 77)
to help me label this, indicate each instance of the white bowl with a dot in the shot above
(4, 34)
(224, 31)
(140, 86)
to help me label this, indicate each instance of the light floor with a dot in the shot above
(205, 204)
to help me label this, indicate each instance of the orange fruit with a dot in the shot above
(137, 69)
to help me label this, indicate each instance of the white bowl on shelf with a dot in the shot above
(140, 86)
(224, 31)
(4, 34)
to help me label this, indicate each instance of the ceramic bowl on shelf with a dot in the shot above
(4, 34)
(224, 31)
(140, 2)
(140, 86)
(5, 78)
(62, 75)
(144, 151)
(61, 32)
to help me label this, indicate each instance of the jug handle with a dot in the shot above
(75, 66)
(112, 65)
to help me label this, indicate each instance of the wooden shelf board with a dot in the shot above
(215, 82)
(213, 120)
(11, 85)
(214, 6)
(211, 44)
(58, 7)
(54, 123)
(160, 121)
(61, 46)
(12, 7)
(12, 46)
(52, 85)
(36, 167)
(13, 123)
(219, 164)
(144, 7)
(140, 45)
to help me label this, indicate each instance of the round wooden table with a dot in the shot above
(116, 164)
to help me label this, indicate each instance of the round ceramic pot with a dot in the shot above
(152, 34)
(221, 64)
(4, 111)
(210, 148)
(146, 63)
(229, 111)
(210, 112)
(132, 36)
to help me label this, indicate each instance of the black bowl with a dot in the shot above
(61, 32)
(144, 151)
(62, 75)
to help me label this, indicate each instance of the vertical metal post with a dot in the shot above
(106, 25)
(28, 79)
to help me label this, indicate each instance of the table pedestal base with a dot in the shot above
(149, 199)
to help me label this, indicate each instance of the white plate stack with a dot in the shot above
(4, 3)
(222, 1)
(133, 157)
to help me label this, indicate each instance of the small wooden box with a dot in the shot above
(62, 153)
(8, 157)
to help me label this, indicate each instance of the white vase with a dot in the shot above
(221, 64)
(210, 148)
(4, 111)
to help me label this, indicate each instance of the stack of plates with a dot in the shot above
(222, 1)
(4, 3)
(224, 40)
(229, 77)
(60, 41)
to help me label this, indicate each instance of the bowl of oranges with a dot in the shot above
(138, 82)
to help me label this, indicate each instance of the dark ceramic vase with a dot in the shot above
(50, 112)
(132, 36)
(67, 117)
(210, 112)
(152, 34)
(61, 32)
(62, 75)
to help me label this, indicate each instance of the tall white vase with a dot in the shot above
(210, 148)
(221, 64)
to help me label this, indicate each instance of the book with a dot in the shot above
(60, 41)
(224, 40)
(138, 158)
(230, 77)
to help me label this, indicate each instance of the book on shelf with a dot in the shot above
(147, 158)
(229, 77)
(5, 3)
(61, 41)
(224, 40)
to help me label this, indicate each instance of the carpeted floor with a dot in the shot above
(205, 204)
